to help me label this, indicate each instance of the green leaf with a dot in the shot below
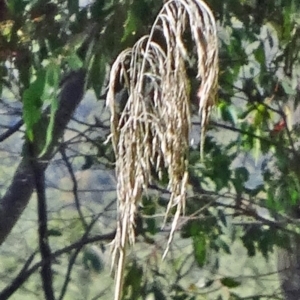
(191, 229)
(130, 26)
(100, 9)
(230, 282)
(249, 245)
(294, 195)
(157, 292)
(219, 162)
(98, 71)
(242, 174)
(88, 162)
(248, 139)
(256, 150)
(53, 75)
(32, 103)
(199, 245)
(266, 242)
(74, 61)
(272, 202)
(16, 6)
(54, 232)
(227, 112)
(52, 81)
(53, 109)
(259, 55)
(287, 22)
(137, 15)
(151, 226)
(92, 259)
(261, 115)
(73, 6)
(223, 245)
(222, 217)
(133, 281)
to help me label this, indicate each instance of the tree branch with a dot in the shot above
(10, 131)
(73, 259)
(21, 188)
(75, 186)
(39, 178)
(25, 273)
(19, 279)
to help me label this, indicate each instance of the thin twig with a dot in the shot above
(11, 131)
(73, 259)
(75, 186)
(235, 129)
(15, 284)
(22, 277)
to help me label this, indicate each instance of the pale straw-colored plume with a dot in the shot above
(150, 130)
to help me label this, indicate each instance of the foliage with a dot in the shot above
(242, 198)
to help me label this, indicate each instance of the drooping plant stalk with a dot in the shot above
(150, 131)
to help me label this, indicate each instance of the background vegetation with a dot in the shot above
(243, 199)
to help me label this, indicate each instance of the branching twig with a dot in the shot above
(84, 240)
(18, 281)
(75, 186)
(235, 129)
(73, 259)
(24, 275)
(17, 196)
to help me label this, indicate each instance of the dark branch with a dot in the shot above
(11, 131)
(20, 190)
(73, 259)
(26, 273)
(18, 281)
(75, 186)
(39, 178)
(270, 141)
